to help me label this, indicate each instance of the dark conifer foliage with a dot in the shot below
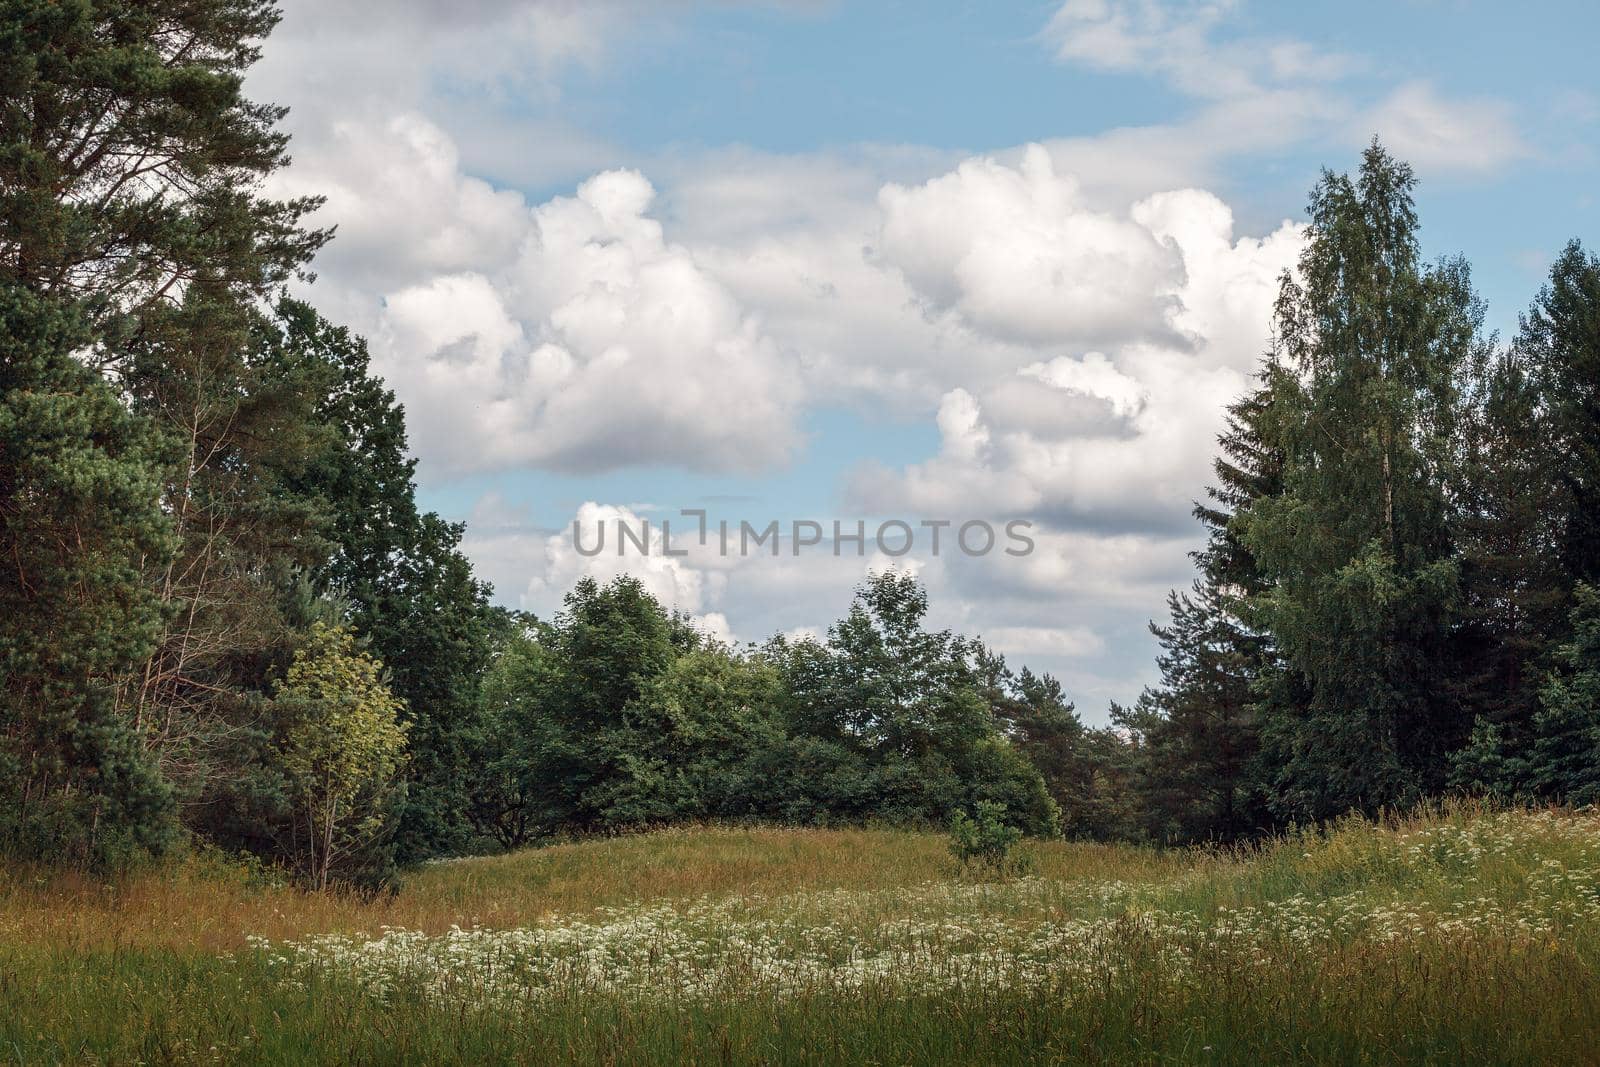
(1200, 777)
(1386, 605)
(79, 480)
(134, 238)
(1560, 341)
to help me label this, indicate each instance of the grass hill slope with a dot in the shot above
(1449, 937)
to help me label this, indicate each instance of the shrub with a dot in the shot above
(985, 840)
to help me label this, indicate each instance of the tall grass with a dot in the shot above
(1455, 935)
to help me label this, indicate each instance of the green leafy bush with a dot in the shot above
(984, 840)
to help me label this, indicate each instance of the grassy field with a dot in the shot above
(1454, 937)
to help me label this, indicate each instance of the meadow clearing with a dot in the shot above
(1455, 936)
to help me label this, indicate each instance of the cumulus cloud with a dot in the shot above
(402, 204)
(644, 357)
(675, 582)
(1117, 438)
(570, 335)
(1021, 256)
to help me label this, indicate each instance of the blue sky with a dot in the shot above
(799, 260)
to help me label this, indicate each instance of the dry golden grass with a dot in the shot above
(1457, 935)
(210, 905)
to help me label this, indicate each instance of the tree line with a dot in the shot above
(207, 512)
(1396, 598)
(224, 618)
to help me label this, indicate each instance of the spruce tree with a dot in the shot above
(1199, 773)
(1513, 595)
(1564, 761)
(1560, 342)
(1529, 528)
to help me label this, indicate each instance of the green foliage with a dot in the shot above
(617, 715)
(340, 749)
(144, 441)
(1514, 593)
(241, 419)
(1560, 340)
(698, 735)
(901, 718)
(985, 840)
(1198, 771)
(1532, 540)
(129, 160)
(78, 513)
(1357, 548)
(410, 591)
(1385, 605)
(511, 799)
(1565, 756)
(566, 729)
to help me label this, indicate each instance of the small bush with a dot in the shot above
(985, 840)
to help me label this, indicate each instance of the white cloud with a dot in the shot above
(1018, 253)
(1018, 641)
(1433, 133)
(645, 358)
(676, 583)
(1175, 40)
(1257, 92)
(569, 335)
(1074, 350)
(1118, 438)
(401, 203)
(400, 50)
(1093, 377)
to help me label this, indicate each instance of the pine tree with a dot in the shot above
(130, 163)
(131, 202)
(79, 478)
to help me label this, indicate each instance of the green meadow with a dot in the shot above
(1453, 936)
